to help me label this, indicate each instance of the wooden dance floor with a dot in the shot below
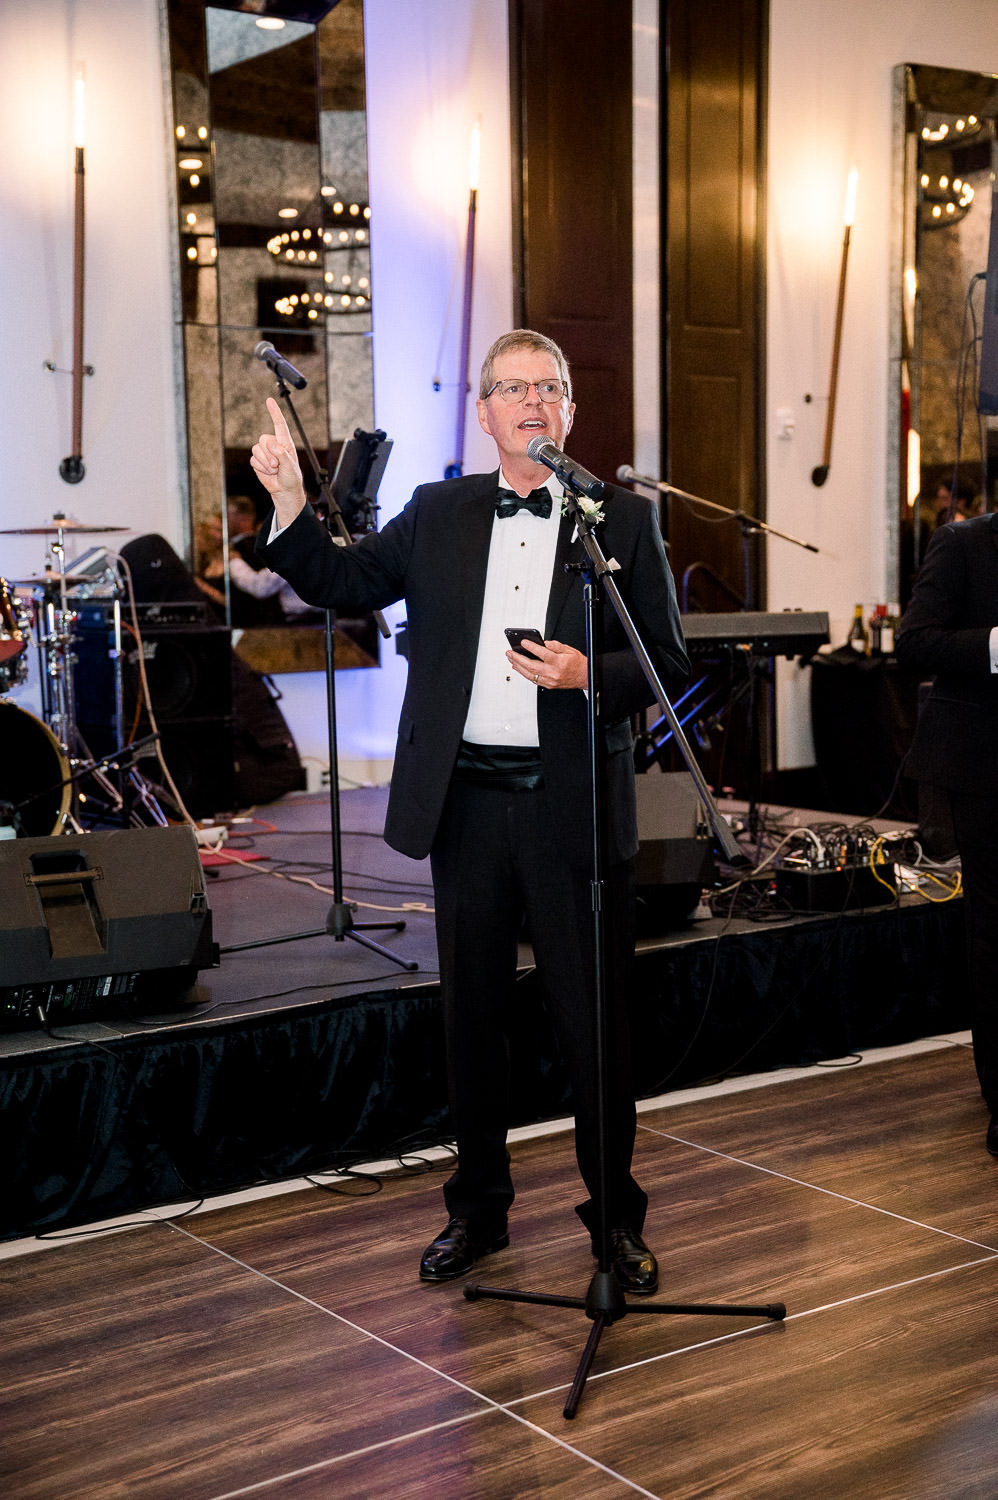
(284, 1347)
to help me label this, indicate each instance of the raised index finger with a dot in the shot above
(282, 431)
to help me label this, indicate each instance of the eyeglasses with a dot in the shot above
(514, 391)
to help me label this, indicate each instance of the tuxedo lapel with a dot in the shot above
(474, 515)
(567, 550)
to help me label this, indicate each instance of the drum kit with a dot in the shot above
(50, 783)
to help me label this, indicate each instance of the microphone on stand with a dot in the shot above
(627, 475)
(567, 470)
(281, 367)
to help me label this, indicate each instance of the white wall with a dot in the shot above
(433, 68)
(129, 436)
(829, 109)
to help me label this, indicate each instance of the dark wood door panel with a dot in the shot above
(713, 279)
(571, 110)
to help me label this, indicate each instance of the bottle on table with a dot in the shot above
(857, 639)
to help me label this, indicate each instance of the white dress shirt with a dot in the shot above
(503, 707)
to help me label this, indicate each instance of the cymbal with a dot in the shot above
(54, 579)
(56, 525)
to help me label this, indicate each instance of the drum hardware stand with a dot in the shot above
(117, 760)
(604, 1302)
(55, 648)
(339, 919)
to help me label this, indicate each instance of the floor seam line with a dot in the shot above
(828, 1192)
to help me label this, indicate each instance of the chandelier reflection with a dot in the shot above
(338, 253)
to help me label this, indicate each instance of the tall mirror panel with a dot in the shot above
(274, 235)
(944, 452)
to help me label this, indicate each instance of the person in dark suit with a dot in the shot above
(951, 629)
(491, 772)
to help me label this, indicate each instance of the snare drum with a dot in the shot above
(34, 774)
(14, 635)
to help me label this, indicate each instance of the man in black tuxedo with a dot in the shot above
(951, 629)
(491, 773)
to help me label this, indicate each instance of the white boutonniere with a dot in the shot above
(591, 509)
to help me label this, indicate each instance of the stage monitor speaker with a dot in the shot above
(189, 671)
(675, 860)
(93, 921)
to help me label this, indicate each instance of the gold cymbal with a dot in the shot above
(54, 579)
(55, 526)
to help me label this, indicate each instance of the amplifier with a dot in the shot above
(188, 669)
(837, 890)
(182, 613)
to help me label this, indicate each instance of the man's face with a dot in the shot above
(512, 426)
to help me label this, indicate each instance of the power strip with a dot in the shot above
(211, 835)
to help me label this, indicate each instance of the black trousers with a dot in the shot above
(493, 863)
(975, 826)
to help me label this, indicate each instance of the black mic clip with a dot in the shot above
(564, 468)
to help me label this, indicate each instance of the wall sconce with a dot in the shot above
(820, 474)
(72, 468)
(456, 467)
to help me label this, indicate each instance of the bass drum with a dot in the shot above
(35, 791)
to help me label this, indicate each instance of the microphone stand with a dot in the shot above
(339, 919)
(604, 1302)
(749, 526)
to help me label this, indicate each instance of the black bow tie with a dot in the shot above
(538, 502)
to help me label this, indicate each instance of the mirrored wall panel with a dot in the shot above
(274, 248)
(944, 450)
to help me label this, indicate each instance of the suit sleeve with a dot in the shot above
(369, 575)
(932, 637)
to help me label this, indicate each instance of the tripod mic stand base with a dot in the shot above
(339, 925)
(605, 1303)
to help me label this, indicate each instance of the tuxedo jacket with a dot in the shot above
(945, 631)
(435, 555)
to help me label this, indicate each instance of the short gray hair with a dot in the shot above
(522, 338)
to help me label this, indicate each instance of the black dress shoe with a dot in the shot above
(634, 1266)
(456, 1248)
(991, 1139)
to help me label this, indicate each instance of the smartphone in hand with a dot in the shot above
(516, 636)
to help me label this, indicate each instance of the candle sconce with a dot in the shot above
(72, 468)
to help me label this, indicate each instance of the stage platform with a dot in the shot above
(318, 1053)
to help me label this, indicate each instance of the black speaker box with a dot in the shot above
(675, 858)
(189, 672)
(93, 920)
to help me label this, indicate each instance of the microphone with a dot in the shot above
(627, 475)
(281, 368)
(567, 470)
